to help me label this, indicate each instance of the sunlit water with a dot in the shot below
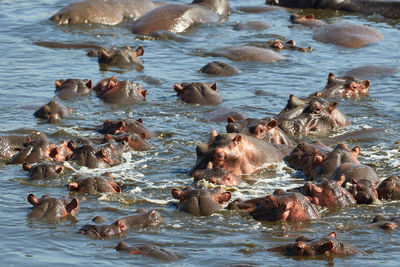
(27, 80)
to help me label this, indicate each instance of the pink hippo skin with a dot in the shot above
(179, 18)
(108, 12)
(328, 245)
(52, 209)
(238, 153)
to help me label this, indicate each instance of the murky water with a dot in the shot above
(27, 80)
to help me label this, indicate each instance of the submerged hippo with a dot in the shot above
(124, 57)
(247, 53)
(217, 176)
(200, 202)
(140, 218)
(307, 20)
(327, 245)
(389, 188)
(310, 116)
(198, 93)
(12, 144)
(95, 185)
(147, 250)
(43, 171)
(384, 223)
(289, 45)
(128, 125)
(108, 12)
(291, 206)
(113, 91)
(347, 86)
(219, 68)
(52, 209)
(71, 88)
(178, 18)
(53, 112)
(238, 153)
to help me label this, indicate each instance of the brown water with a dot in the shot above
(27, 81)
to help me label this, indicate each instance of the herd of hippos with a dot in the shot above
(335, 177)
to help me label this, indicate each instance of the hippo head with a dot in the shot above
(328, 193)
(94, 185)
(123, 126)
(198, 93)
(201, 202)
(310, 116)
(43, 170)
(304, 153)
(136, 142)
(364, 191)
(286, 207)
(389, 188)
(48, 208)
(118, 228)
(87, 155)
(67, 89)
(217, 176)
(347, 86)
(53, 111)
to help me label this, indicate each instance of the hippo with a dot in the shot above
(34, 151)
(348, 87)
(198, 93)
(200, 202)
(71, 88)
(265, 129)
(128, 125)
(366, 72)
(219, 68)
(238, 153)
(389, 188)
(91, 156)
(310, 116)
(307, 20)
(140, 218)
(52, 209)
(179, 18)
(136, 142)
(384, 223)
(247, 53)
(147, 250)
(328, 245)
(110, 12)
(95, 185)
(324, 165)
(12, 144)
(302, 156)
(62, 45)
(347, 35)
(43, 171)
(217, 176)
(113, 91)
(53, 112)
(289, 45)
(363, 179)
(388, 9)
(221, 115)
(250, 26)
(291, 206)
(328, 194)
(124, 57)
(258, 9)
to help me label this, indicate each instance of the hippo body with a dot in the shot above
(247, 53)
(200, 202)
(198, 93)
(140, 218)
(238, 153)
(53, 112)
(310, 116)
(109, 12)
(113, 91)
(52, 209)
(71, 88)
(219, 68)
(327, 245)
(147, 250)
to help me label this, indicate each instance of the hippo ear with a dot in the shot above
(57, 84)
(116, 187)
(106, 55)
(318, 159)
(89, 84)
(143, 93)
(341, 180)
(143, 135)
(58, 169)
(325, 248)
(33, 200)
(214, 86)
(73, 186)
(229, 119)
(214, 133)
(139, 51)
(332, 106)
(291, 42)
(331, 77)
(72, 205)
(366, 83)
(71, 145)
(258, 130)
(178, 194)
(355, 151)
(315, 188)
(272, 123)
(224, 197)
(140, 120)
(121, 225)
(237, 139)
(26, 166)
(310, 16)
(333, 235)
(177, 88)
